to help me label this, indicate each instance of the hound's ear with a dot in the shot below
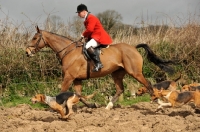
(197, 90)
(160, 91)
(190, 88)
(142, 88)
(42, 98)
(37, 28)
(155, 89)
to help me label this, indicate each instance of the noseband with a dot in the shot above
(36, 46)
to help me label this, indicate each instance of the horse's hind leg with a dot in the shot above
(140, 77)
(118, 79)
(134, 68)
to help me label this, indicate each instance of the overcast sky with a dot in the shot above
(131, 10)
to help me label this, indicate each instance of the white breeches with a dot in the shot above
(92, 43)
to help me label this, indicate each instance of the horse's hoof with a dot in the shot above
(93, 105)
(96, 105)
(109, 106)
(159, 109)
(64, 118)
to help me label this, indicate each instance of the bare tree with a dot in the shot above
(53, 23)
(109, 19)
(76, 26)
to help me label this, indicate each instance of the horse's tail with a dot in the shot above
(151, 56)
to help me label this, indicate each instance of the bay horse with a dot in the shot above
(118, 60)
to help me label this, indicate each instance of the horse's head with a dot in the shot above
(36, 43)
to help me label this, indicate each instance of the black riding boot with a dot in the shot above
(95, 57)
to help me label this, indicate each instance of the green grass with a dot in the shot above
(26, 100)
(20, 100)
(130, 100)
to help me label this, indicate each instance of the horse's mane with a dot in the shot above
(67, 37)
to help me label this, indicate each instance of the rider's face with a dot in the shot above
(82, 14)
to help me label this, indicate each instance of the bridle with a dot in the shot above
(36, 46)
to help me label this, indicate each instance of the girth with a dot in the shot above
(88, 59)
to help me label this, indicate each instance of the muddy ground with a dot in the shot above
(140, 117)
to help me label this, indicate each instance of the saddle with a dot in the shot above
(97, 50)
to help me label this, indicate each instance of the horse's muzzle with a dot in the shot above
(29, 55)
(29, 52)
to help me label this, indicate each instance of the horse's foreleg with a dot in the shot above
(78, 86)
(67, 81)
(78, 89)
(117, 77)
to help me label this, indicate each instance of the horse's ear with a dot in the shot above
(37, 28)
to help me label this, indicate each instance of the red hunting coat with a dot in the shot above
(95, 30)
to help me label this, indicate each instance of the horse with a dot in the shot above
(118, 60)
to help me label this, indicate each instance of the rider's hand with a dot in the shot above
(86, 39)
(82, 37)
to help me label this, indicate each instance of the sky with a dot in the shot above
(132, 11)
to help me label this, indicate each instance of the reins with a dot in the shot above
(66, 52)
(36, 46)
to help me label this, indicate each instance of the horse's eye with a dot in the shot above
(34, 38)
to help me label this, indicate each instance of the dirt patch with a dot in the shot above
(139, 118)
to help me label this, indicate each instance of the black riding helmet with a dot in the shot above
(81, 7)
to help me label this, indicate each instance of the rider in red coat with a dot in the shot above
(94, 29)
(94, 33)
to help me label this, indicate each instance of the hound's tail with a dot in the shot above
(84, 98)
(151, 56)
(180, 76)
(89, 96)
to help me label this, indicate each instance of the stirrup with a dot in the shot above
(97, 68)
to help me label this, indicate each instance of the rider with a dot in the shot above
(94, 34)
